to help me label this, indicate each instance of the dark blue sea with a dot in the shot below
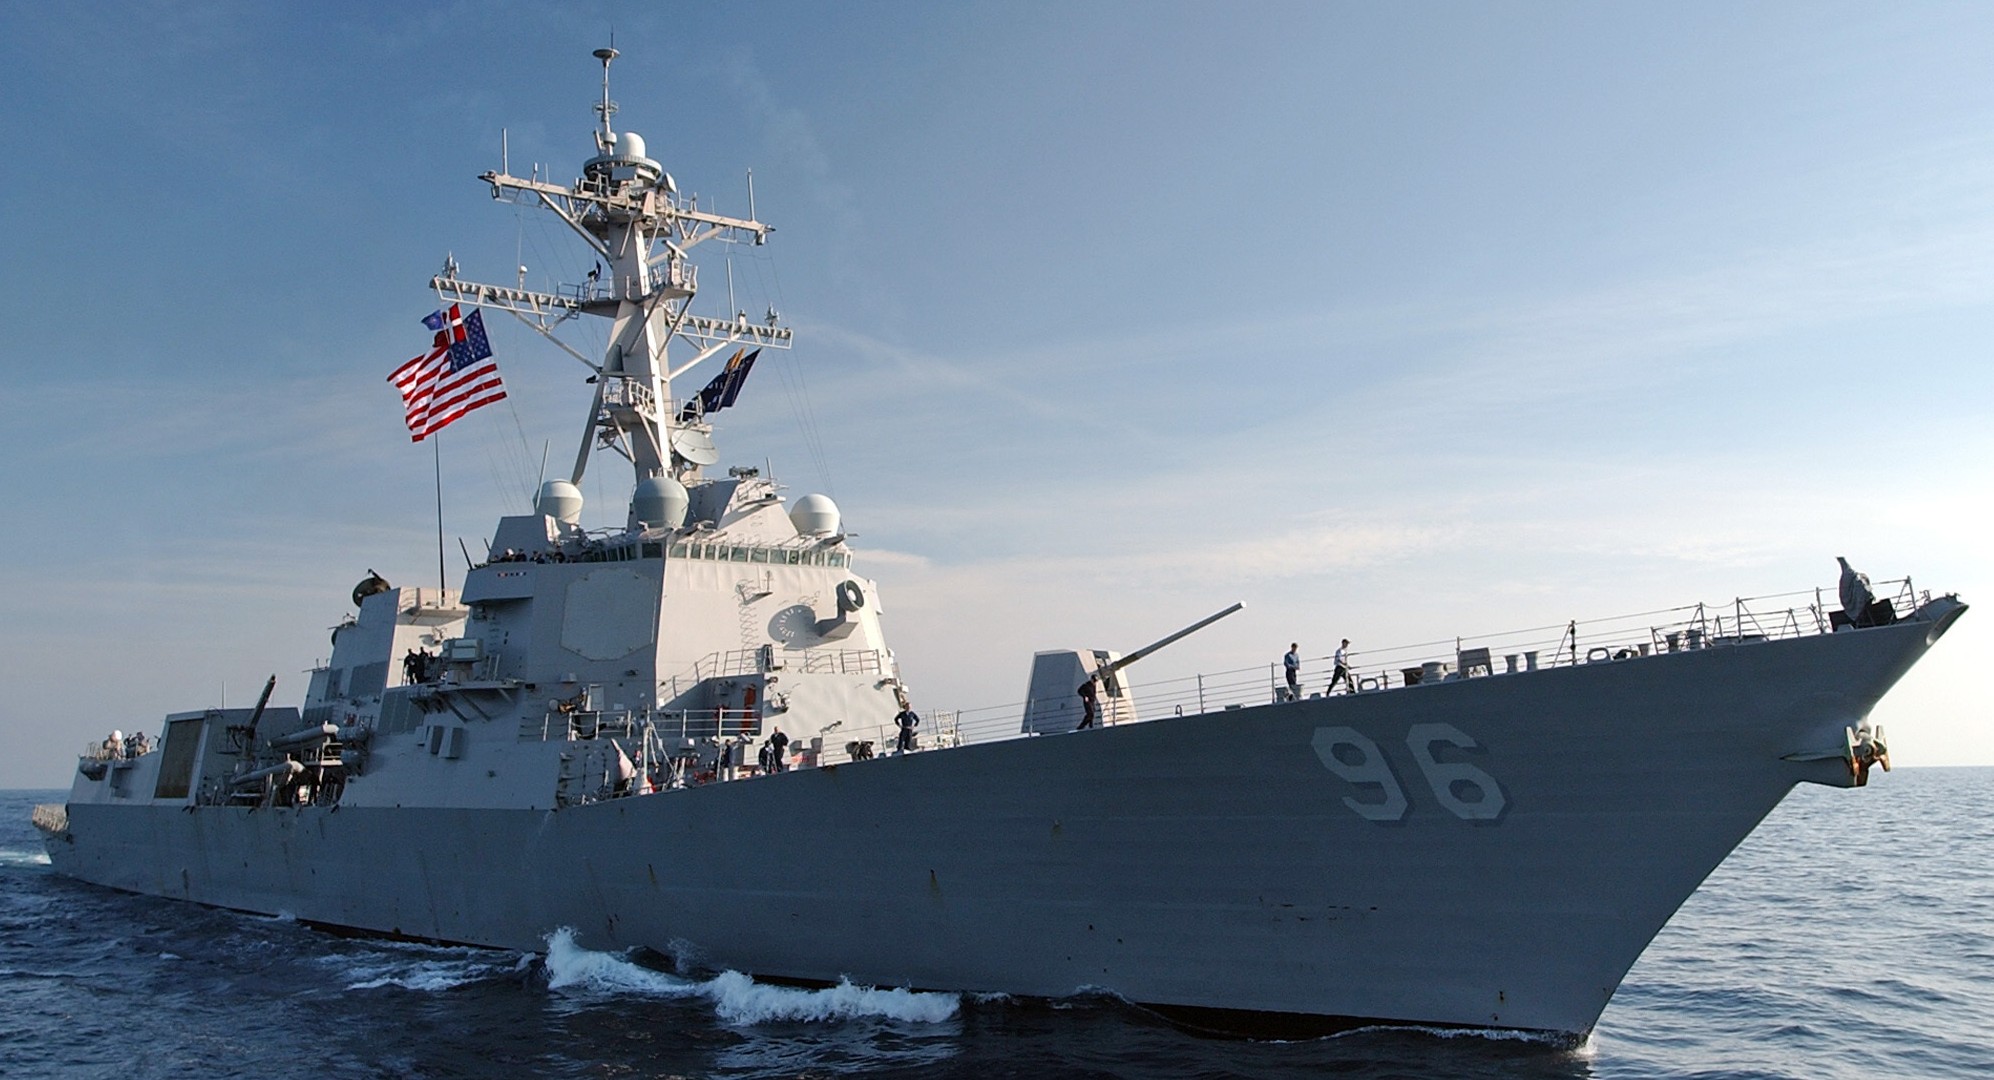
(1851, 936)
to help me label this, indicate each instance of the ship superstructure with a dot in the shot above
(717, 616)
(676, 733)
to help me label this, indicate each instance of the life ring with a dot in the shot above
(850, 596)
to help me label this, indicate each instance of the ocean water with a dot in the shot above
(1851, 936)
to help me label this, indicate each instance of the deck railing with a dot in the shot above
(736, 662)
(1580, 641)
(1743, 621)
(585, 725)
(843, 742)
(50, 817)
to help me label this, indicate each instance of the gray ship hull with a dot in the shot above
(1490, 852)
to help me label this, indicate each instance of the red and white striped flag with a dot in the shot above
(455, 376)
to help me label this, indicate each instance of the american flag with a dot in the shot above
(456, 375)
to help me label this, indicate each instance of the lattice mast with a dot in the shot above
(627, 208)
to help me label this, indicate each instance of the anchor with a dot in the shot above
(1866, 748)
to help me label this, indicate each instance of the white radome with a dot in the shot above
(815, 515)
(560, 500)
(660, 500)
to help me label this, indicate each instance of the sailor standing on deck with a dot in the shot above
(906, 720)
(1292, 664)
(779, 743)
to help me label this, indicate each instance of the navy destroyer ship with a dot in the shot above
(683, 733)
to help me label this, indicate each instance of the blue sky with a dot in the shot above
(1395, 322)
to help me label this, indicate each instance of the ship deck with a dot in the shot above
(1613, 639)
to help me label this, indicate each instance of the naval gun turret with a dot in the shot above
(1052, 702)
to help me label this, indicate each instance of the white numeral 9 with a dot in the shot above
(1357, 759)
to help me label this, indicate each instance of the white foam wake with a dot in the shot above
(422, 967)
(736, 998)
(23, 857)
(429, 975)
(1491, 1034)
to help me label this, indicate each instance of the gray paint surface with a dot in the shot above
(1211, 860)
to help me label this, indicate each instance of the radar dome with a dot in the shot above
(561, 501)
(660, 500)
(815, 515)
(623, 162)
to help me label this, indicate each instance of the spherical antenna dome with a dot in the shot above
(660, 500)
(561, 501)
(815, 515)
(623, 162)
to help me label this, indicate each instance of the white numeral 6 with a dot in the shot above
(1452, 779)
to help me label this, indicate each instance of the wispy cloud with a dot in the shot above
(790, 137)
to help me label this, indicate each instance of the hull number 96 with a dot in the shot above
(1466, 791)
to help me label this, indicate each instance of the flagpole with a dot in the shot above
(436, 450)
(457, 372)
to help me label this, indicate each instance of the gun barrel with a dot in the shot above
(249, 737)
(1155, 645)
